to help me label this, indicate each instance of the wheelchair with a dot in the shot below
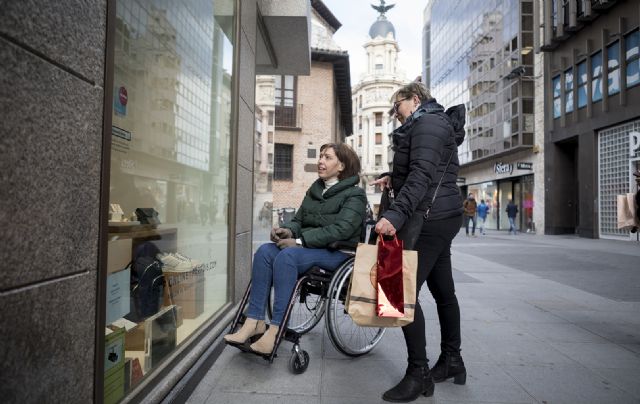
(317, 293)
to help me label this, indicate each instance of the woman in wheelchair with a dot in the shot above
(333, 210)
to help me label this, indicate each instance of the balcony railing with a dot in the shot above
(288, 117)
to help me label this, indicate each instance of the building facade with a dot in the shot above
(482, 56)
(128, 195)
(302, 114)
(371, 102)
(592, 114)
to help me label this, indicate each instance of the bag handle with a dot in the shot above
(426, 214)
(395, 240)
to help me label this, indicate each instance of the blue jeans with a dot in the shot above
(281, 268)
(512, 225)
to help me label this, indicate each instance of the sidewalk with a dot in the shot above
(535, 329)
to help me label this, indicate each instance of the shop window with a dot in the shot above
(283, 164)
(378, 138)
(613, 65)
(582, 84)
(632, 44)
(568, 90)
(555, 84)
(169, 183)
(596, 77)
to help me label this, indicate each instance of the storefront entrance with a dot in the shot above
(497, 194)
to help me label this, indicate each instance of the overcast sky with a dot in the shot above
(357, 16)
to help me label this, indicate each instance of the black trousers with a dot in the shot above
(434, 267)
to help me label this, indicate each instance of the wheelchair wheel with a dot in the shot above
(298, 363)
(345, 335)
(307, 309)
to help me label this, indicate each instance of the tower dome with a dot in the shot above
(382, 27)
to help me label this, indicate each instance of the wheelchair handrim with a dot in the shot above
(346, 336)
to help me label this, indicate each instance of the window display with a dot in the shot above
(169, 187)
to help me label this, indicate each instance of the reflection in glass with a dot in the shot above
(582, 84)
(170, 154)
(557, 105)
(632, 45)
(613, 64)
(596, 77)
(568, 89)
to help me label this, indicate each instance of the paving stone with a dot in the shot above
(592, 355)
(567, 384)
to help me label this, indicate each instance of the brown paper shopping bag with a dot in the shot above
(362, 298)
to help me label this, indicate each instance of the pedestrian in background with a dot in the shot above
(483, 209)
(512, 212)
(470, 207)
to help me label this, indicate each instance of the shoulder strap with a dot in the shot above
(426, 214)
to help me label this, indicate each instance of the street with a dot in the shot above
(545, 319)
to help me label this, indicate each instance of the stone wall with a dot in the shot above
(51, 98)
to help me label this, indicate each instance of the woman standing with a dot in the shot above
(332, 210)
(426, 150)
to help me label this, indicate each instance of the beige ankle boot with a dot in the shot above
(250, 328)
(265, 344)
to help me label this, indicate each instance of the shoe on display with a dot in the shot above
(195, 263)
(174, 263)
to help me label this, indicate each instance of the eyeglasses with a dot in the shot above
(397, 104)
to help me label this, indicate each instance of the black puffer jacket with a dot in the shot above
(422, 146)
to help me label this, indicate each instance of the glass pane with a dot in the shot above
(614, 81)
(169, 178)
(556, 108)
(487, 192)
(505, 195)
(278, 82)
(613, 55)
(568, 107)
(632, 43)
(568, 80)
(582, 96)
(633, 72)
(582, 73)
(596, 90)
(596, 64)
(556, 86)
(288, 82)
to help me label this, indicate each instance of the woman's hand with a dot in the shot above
(384, 182)
(385, 228)
(278, 233)
(287, 242)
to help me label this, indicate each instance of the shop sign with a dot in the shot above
(634, 143)
(121, 133)
(121, 98)
(524, 166)
(501, 168)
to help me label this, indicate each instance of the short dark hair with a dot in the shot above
(347, 157)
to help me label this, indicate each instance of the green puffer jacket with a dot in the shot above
(335, 216)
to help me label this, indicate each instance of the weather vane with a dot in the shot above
(382, 8)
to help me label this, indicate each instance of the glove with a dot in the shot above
(286, 242)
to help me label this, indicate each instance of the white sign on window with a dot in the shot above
(634, 143)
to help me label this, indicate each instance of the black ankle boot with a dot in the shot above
(416, 381)
(449, 365)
